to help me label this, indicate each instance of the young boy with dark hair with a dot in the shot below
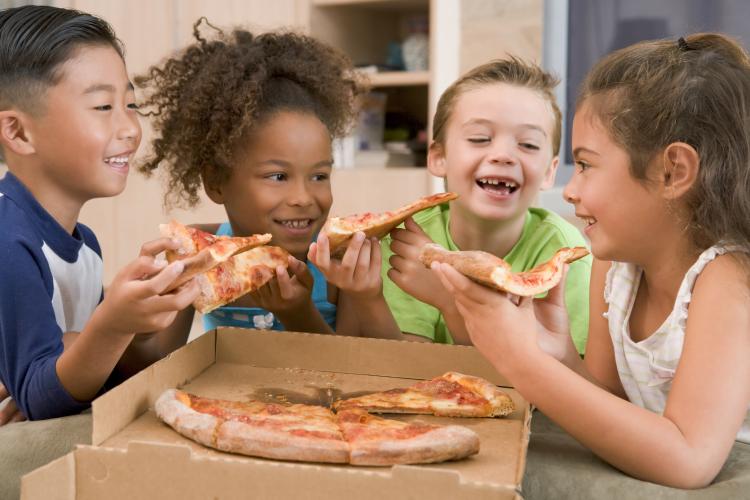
(68, 132)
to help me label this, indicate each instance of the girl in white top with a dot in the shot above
(661, 140)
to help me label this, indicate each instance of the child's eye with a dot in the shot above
(105, 107)
(479, 140)
(276, 177)
(528, 145)
(581, 166)
(320, 177)
(133, 105)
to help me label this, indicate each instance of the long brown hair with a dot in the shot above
(694, 90)
(513, 71)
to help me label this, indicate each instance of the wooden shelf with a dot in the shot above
(385, 4)
(398, 78)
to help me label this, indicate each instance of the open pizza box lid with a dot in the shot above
(135, 455)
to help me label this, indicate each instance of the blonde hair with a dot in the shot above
(694, 90)
(513, 71)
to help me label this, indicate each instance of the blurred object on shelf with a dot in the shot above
(371, 122)
(344, 149)
(395, 59)
(416, 46)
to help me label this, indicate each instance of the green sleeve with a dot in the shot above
(412, 315)
(577, 301)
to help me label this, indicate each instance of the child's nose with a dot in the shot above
(501, 154)
(300, 194)
(570, 194)
(129, 128)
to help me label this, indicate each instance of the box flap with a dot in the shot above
(54, 481)
(393, 358)
(116, 408)
(148, 470)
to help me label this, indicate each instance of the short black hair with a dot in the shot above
(35, 41)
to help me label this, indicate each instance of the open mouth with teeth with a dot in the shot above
(296, 224)
(497, 186)
(590, 221)
(117, 161)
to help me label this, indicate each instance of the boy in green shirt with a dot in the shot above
(496, 139)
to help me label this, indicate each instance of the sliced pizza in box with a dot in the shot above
(340, 230)
(494, 272)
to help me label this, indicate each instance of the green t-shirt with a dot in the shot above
(544, 233)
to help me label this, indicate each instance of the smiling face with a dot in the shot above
(619, 210)
(88, 132)
(281, 181)
(497, 152)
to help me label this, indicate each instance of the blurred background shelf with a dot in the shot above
(398, 78)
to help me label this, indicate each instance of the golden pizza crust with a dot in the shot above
(494, 272)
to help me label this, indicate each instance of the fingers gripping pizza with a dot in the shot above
(341, 229)
(450, 395)
(311, 433)
(494, 272)
(201, 251)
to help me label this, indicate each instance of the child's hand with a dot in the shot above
(286, 293)
(503, 331)
(9, 412)
(358, 271)
(133, 302)
(408, 272)
(554, 325)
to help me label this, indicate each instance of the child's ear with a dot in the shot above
(681, 163)
(13, 133)
(436, 159)
(213, 189)
(549, 176)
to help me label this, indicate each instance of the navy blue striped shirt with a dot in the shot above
(50, 283)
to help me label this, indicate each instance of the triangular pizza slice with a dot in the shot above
(494, 272)
(341, 229)
(201, 251)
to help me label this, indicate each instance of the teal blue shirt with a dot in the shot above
(255, 317)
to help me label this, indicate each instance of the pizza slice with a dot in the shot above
(494, 272)
(341, 229)
(201, 251)
(450, 395)
(377, 441)
(241, 274)
(295, 432)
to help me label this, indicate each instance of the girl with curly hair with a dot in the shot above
(251, 120)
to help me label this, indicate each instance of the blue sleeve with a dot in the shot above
(30, 339)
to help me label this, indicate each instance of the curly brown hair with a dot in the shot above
(209, 96)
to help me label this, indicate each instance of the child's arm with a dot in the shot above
(289, 298)
(409, 274)
(361, 308)
(132, 305)
(687, 445)
(148, 348)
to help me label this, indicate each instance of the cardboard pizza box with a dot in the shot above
(135, 455)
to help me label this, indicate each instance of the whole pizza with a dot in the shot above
(352, 435)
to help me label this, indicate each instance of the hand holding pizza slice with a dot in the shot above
(340, 230)
(201, 251)
(494, 272)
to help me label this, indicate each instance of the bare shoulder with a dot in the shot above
(725, 277)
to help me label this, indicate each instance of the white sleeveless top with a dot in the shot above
(646, 368)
